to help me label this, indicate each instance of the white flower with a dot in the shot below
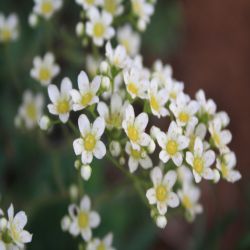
(129, 39)
(104, 244)
(185, 175)
(174, 89)
(46, 8)
(92, 64)
(114, 113)
(224, 118)
(44, 70)
(87, 4)
(99, 26)
(201, 161)
(143, 10)
(161, 193)
(61, 100)
(86, 95)
(220, 137)
(184, 110)
(114, 7)
(31, 109)
(137, 157)
(206, 106)
(83, 219)
(163, 73)
(116, 57)
(157, 99)
(16, 226)
(189, 196)
(226, 165)
(136, 84)
(134, 128)
(8, 28)
(89, 144)
(172, 144)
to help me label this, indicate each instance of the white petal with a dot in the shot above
(108, 239)
(86, 234)
(87, 157)
(95, 85)
(133, 164)
(146, 162)
(98, 127)
(100, 150)
(85, 203)
(170, 178)
(161, 139)
(226, 136)
(177, 159)
(76, 96)
(164, 156)
(20, 219)
(190, 158)
(183, 142)
(130, 114)
(141, 121)
(234, 176)
(209, 158)
(52, 109)
(10, 212)
(173, 200)
(83, 82)
(78, 146)
(103, 110)
(197, 177)
(53, 92)
(150, 194)
(25, 237)
(144, 139)
(208, 174)
(198, 146)
(162, 207)
(83, 124)
(156, 175)
(94, 219)
(74, 229)
(66, 86)
(64, 117)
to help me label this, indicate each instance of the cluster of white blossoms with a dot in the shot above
(9, 30)
(12, 233)
(81, 221)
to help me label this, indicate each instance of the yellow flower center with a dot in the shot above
(173, 95)
(172, 147)
(183, 117)
(154, 103)
(63, 106)
(89, 142)
(86, 99)
(133, 133)
(47, 7)
(99, 29)
(110, 6)
(90, 2)
(137, 8)
(224, 170)
(101, 246)
(6, 34)
(114, 120)
(132, 88)
(136, 153)
(198, 165)
(83, 220)
(216, 139)
(161, 193)
(44, 74)
(186, 202)
(31, 111)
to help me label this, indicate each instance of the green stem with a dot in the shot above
(73, 127)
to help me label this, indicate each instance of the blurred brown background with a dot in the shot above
(214, 54)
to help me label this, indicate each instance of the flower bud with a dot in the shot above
(17, 121)
(44, 122)
(33, 20)
(122, 160)
(79, 29)
(105, 82)
(141, 25)
(73, 192)
(65, 223)
(86, 172)
(115, 148)
(77, 164)
(151, 146)
(104, 67)
(161, 221)
(216, 176)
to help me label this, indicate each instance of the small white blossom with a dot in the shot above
(129, 39)
(8, 28)
(184, 110)
(92, 65)
(174, 89)
(30, 111)
(89, 144)
(137, 157)
(136, 84)
(116, 57)
(44, 69)
(157, 99)
(161, 193)
(189, 196)
(83, 219)
(46, 8)
(163, 73)
(86, 95)
(104, 244)
(87, 4)
(226, 165)
(114, 113)
(207, 106)
(16, 224)
(99, 26)
(172, 144)
(134, 128)
(201, 161)
(61, 100)
(220, 137)
(114, 7)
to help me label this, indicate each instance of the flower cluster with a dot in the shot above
(12, 233)
(81, 220)
(8, 28)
